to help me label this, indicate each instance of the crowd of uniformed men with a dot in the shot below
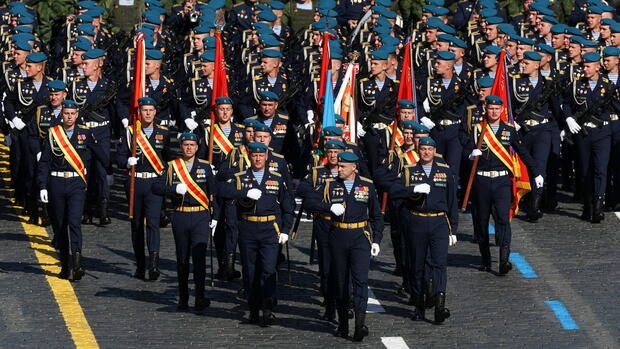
(66, 98)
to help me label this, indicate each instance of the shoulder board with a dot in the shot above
(162, 127)
(239, 125)
(187, 54)
(41, 107)
(285, 117)
(438, 155)
(275, 173)
(473, 106)
(330, 180)
(195, 78)
(168, 80)
(257, 77)
(363, 79)
(239, 4)
(83, 127)
(277, 155)
(203, 161)
(410, 165)
(396, 81)
(605, 79)
(366, 179)
(239, 173)
(548, 78)
(443, 164)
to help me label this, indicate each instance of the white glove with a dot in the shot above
(110, 180)
(422, 188)
(474, 153)
(254, 194)
(452, 241)
(310, 116)
(213, 226)
(540, 181)
(131, 161)
(212, 168)
(427, 122)
(181, 188)
(283, 239)
(125, 122)
(562, 135)
(573, 126)
(38, 156)
(517, 126)
(337, 209)
(43, 196)
(191, 124)
(375, 249)
(18, 123)
(360, 130)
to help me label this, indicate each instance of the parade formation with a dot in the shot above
(232, 122)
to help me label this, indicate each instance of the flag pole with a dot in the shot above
(138, 79)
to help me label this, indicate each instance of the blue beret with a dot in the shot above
(216, 4)
(269, 41)
(327, 12)
(93, 54)
(522, 40)
(146, 101)
(23, 29)
(203, 28)
(434, 22)
(69, 104)
(488, 13)
(332, 131)
(262, 7)
(558, 28)
(25, 20)
(347, 156)
(270, 53)
(606, 8)
(276, 5)
(36, 57)
(406, 104)
(435, 10)
(456, 42)
(591, 57)
(257, 147)
(445, 55)
(320, 25)
(339, 119)
(268, 96)
(328, 4)
(56, 86)
(208, 56)
(421, 129)
(409, 125)
(84, 5)
(23, 37)
(23, 45)
(335, 144)
(330, 22)
(154, 54)
(267, 16)
(383, 22)
(335, 53)
(493, 100)
(447, 29)
(85, 18)
(607, 21)
(95, 11)
(532, 56)
(223, 100)
(153, 3)
(428, 141)
(209, 42)
(382, 30)
(260, 25)
(188, 136)
(550, 19)
(86, 29)
(445, 37)
(542, 9)
(573, 31)
(152, 17)
(379, 55)
(160, 11)
(615, 28)
(544, 48)
(389, 14)
(610, 51)
(435, 2)
(249, 122)
(594, 10)
(18, 11)
(148, 26)
(260, 127)
(485, 82)
(494, 20)
(389, 40)
(505, 28)
(589, 44)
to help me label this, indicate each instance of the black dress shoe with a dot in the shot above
(154, 271)
(441, 312)
(486, 268)
(202, 304)
(343, 323)
(64, 274)
(267, 319)
(78, 271)
(504, 268)
(182, 305)
(139, 274)
(254, 316)
(361, 330)
(87, 219)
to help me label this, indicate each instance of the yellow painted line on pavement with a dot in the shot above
(70, 308)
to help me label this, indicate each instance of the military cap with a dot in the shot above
(268, 96)
(332, 131)
(249, 122)
(494, 20)
(493, 100)
(558, 28)
(445, 55)
(445, 28)
(382, 30)
(69, 104)
(615, 28)
(542, 9)
(269, 41)
(276, 5)
(25, 20)
(488, 13)
(95, 11)
(421, 130)
(56, 86)
(328, 4)
(223, 100)
(406, 104)
(506, 28)
(260, 127)
(262, 7)
(550, 19)
(379, 55)
(153, 3)
(259, 25)
(267, 16)
(318, 26)
(160, 11)
(203, 28)
(389, 40)
(152, 17)
(435, 10)
(409, 125)
(607, 21)
(605, 8)
(347, 156)
(428, 141)
(335, 144)
(148, 26)
(146, 101)
(522, 40)
(208, 56)
(544, 48)
(339, 119)
(93, 54)
(591, 57)
(84, 18)
(327, 12)
(36, 57)
(257, 147)
(216, 4)
(389, 14)
(85, 5)
(456, 42)
(18, 11)
(532, 56)
(611, 51)
(485, 82)
(86, 29)
(445, 37)
(380, 10)
(589, 44)
(270, 53)
(594, 10)
(573, 31)
(23, 45)
(188, 136)
(154, 55)
(23, 37)
(430, 2)
(434, 22)
(23, 29)
(209, 42)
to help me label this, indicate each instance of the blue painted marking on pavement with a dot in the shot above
(491, 226)
(523, 266)
(563, 315)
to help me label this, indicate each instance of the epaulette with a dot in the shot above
(396, 81)
(277, 155)
(84, 127)
(443, 164)
(439, 155)
(202, 161)
(363, 79)
(256, 77)
(163, 127)
(471, 107)
(366, 179)
(275, 173)
(548, 78)
(285, 117)
(168, 80)
(239, 125)
(239, 4)
(195, 78)
(605, 79)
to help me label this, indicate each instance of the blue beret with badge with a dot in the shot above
(494, 20)
(84, 18)
(506, 28)
(594, 10)
(339, 119)
(208, 56)
(332, 131)
(69, 104)
(209, 42)
(56, 86)
(223, 100)
(434, 22)
(456, 42)
(409, 125)
(188, 136)
(23, 37)
(146, 101)
(421, 130)
(611, 51)
(267, 16)
(485, 82)
(406, 104)
(427, 141)
(23, 45)
(23, 29)
(25, 20)
(573, 31)
(335, 144)
(589, 44)
(271, 53)
(86, 29)
(591, 57)
(347, 156)
(522, 40)
(615, 28)
(532, 56)
(36, 57)
(379, 55)
(445, 55)
(93, 54)
(558, 28)
(151, 17)
(268, 96)
(249, 122)
(550, 19)
(257, 147)
(276, 5)
(493, 100)
(269, 41)
(260, 127)
(544, 48)
(445, 28)
(154, 55)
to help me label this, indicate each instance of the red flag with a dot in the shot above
(325, 65)
(405, 90)
(521, 180)
(138, 78)
(220, 83)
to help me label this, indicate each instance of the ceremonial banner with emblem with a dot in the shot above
(137, 92)
(345, 102)
(325, 65)
(220, 89)
(406, 89)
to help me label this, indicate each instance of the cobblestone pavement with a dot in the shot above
(574, 262)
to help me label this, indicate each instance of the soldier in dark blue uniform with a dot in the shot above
(611, 60)
(265, 216)
(378, 92)
(192, 185)
(196, 101)
(270, 79)
(356, 232)
(151, 156)
(589, 103)
(493, 185)
(428, 189)
(93, 94)
(240, 16)
(279, 123)
(62, 177)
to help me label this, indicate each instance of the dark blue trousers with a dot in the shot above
(147, 206)
(231, 226)
(66, 204)
(493, 193)
(449, 144)
(538, 143)
(98, 171)
(191, 237)
(321, 227)
(593, 158)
